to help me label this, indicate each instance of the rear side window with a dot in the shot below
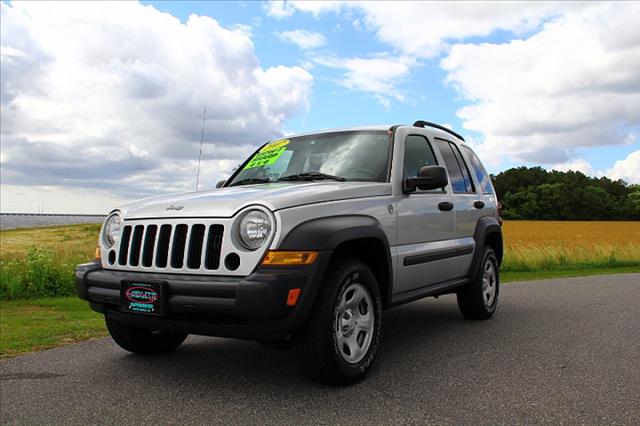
(458, 172)
(479, 171)
(417, 154)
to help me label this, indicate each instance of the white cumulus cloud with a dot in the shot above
(573, 84)
(627, 169)
(568, 77)
(303, 39)
(577, 165)
(278, 9)
(110, 95)
(379, 75)
(424, 29)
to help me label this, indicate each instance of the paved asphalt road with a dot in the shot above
(557, 351)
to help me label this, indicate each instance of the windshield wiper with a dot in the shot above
(311, 176)
(249, 181)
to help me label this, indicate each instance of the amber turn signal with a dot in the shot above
(97, 255)
(290, 257)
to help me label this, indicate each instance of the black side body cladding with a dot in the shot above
(438, 289)
(432, 257)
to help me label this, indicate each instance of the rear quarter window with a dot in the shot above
(479, 171)
(461, 182)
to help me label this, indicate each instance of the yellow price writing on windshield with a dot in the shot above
(268, 155)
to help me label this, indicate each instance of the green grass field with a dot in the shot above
(39, 262)
(36, 272)
(31, 325)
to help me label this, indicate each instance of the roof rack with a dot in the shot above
(421, 123)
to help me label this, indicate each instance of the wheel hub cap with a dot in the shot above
(489, 280)
(354, 322)
(348, 322)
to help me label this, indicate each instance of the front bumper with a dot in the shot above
(250, 307)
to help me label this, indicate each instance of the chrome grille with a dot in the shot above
(181, 246)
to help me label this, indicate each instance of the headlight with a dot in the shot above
(254, 229)
(111, 229)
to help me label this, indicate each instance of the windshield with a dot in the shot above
(351, 156)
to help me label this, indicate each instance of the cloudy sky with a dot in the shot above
(102, 102)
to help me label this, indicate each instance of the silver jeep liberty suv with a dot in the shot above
(305, 245)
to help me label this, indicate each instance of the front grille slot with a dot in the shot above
(170, 246)
(163, 246)
(214, 245)
(149, 244)
(194, 257)
(136, 243)
(177, 251)
(124, 245)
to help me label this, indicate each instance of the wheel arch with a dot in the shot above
(488, 232)
(356, 236)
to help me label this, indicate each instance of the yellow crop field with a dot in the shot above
(558, 245)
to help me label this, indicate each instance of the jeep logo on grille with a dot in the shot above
(172, 207)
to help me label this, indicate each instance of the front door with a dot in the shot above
(426, 223)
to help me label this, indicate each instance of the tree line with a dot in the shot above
(535, 193)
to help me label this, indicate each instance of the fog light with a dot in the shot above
(290, 257)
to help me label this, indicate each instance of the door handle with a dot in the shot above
(478, 204)
(445, 206)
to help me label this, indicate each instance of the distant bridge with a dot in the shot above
(32, 220)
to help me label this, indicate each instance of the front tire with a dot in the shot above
(339, 343)
(478, 299)
(143, 341)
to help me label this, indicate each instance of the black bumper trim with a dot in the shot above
(212, 305)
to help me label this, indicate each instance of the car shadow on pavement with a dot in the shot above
(215, 364)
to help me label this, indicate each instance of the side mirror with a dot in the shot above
(429, 177)
(220, 183)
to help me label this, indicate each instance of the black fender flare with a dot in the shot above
(328, 233)
(485, 226)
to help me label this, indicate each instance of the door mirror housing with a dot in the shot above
(220, 183)
(429, 177)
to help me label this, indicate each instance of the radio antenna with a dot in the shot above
(204, 115)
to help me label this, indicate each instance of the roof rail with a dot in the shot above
(421, 123)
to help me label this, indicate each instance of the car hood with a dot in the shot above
(226, 202)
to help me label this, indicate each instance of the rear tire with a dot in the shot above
(478, 299)
(143, 341)
(339, 342)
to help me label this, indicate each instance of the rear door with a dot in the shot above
(467, 212)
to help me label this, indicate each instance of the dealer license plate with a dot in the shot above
(147, 298)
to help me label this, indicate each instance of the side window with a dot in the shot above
(417, 153)
(479, 171)
(466, 175)
(460, 178)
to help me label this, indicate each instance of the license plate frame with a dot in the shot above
(143, 297)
